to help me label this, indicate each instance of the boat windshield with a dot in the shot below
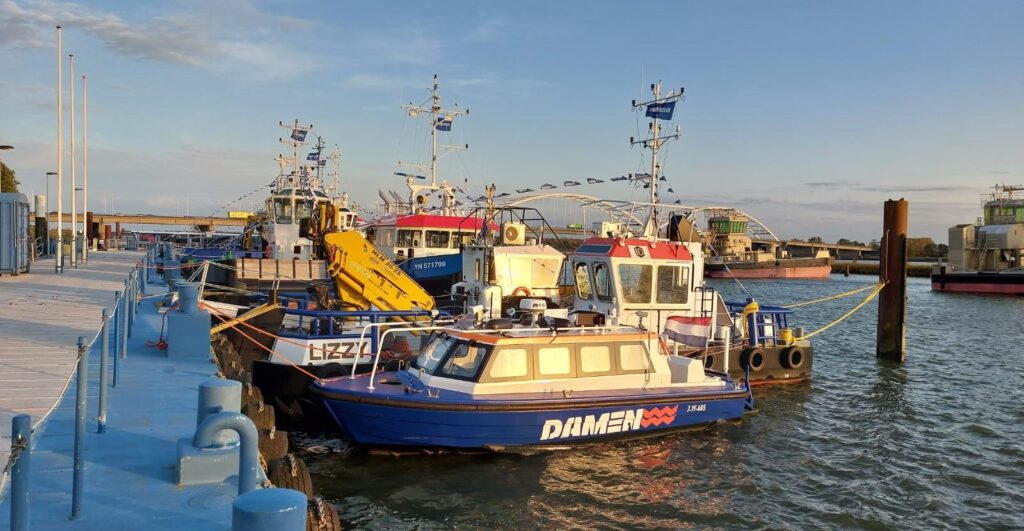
(434, 352)
(283, 210)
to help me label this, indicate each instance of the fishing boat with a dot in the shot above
(985, 257)
(425, 240)
(501, 386)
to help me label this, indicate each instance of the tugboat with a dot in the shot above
(657, 283)
(502, 387)
(986, 257)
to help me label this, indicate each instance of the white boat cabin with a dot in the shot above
(288, 210)
(536, 360)
(421, 235)
(640, 282)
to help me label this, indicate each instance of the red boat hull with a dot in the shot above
(990, 283)
(812, 272)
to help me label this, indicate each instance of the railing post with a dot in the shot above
(131, 302)
(101, 418)
(125, 332)
(80, 405)
(21, 455)
(117, 337)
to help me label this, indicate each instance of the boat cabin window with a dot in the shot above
(465, 360)
(303, 209)
(602, 282)
(595, 360)
(462, 239)
(633, 358)
(509, 363)
(283, 210)
(555, 362)
(673, 284)
(635, 281)
(582, 277)
(438, 239)
(434, 352)
(408, 238)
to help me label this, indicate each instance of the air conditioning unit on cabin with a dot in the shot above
(607, 229)
(513, 233)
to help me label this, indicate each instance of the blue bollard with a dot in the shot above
(21, 452)
(248, 460)
(269, 510)
(80, 406)
(217, 395)
(101, 418)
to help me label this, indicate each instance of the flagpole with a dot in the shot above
(74, 202)
(85, 170)
(58, 263)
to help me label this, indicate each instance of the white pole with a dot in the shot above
(85, 169)
(58, 265)
(74, 183)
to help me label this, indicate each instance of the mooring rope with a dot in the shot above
(878, 289)
(834, 297)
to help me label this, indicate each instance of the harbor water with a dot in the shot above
(935, 443)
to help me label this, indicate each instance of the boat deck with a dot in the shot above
(129, 469)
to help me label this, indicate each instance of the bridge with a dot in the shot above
(800, 249)
(204, 222)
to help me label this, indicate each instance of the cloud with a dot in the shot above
(832, 184)
(205, 38)
(487, 30)
(897, 189)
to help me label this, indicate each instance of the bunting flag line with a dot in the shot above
(548, 186)
(570, 183)
(592, 180)
(523, 190)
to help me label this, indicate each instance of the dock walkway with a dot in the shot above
(129, 469)
(42, 314)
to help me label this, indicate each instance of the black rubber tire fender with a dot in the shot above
(322, 516)
(273, 443)
(251, 394)
(261, 415)
(792, 357)
(290, 472)
(754, 357)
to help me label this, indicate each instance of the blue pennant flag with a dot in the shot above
(313, 156)
(620, 178)
(503, 194)
(299, 134)
(570, 183)
(548, 186)
(523, 190)
(444, 123)
(661, 111)
(592, 180)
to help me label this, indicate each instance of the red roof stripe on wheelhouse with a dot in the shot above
(433, 221)
(626, 248)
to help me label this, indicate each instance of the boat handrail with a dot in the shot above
(376, 357)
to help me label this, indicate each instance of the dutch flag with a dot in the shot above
(693, 331)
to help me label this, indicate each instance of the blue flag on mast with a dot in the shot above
(299, 134)
(313, 156)
(444, 123)
(661, 111)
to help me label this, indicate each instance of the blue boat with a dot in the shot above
(501, 387)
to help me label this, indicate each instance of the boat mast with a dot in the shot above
(440, 119)
(661, 107)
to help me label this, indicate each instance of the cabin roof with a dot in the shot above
(533, 336)
(437, 221)
(633, 248)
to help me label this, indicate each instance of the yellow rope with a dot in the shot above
(878, 288)
(833, 297)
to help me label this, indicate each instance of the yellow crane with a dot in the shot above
(365, 278)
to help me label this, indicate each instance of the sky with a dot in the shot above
(807, 115)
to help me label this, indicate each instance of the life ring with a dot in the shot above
(525, 292)
(791, 357)
(753, 357)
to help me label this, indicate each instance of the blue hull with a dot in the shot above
(429, 268)
(389, 416)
